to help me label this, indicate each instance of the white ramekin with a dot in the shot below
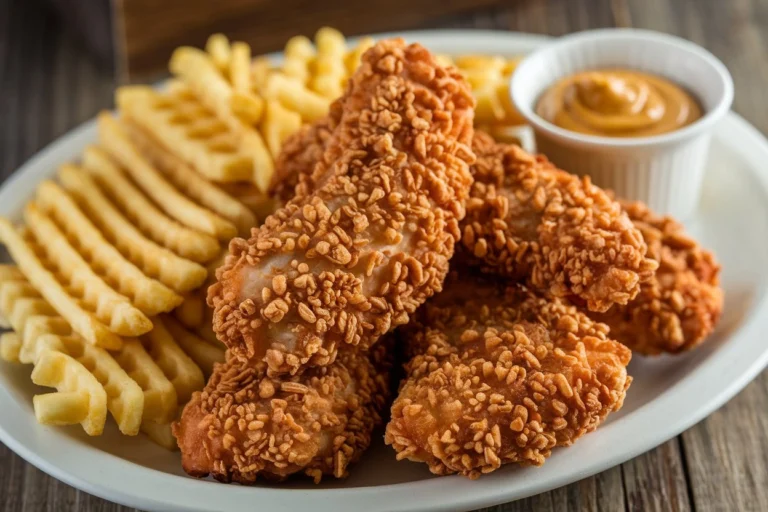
(665, 171)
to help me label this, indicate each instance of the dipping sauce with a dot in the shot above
(618, 103)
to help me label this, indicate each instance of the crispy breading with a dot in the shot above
(529, 221)
(355, 258)
(500, 376)
(299, 155)
(245, 425)
(677, 309)
(526, 220)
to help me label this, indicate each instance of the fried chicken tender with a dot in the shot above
(677, 309)
(245, 425)
(298, 157)
(371, 243)
(501, 375)
(529, 221)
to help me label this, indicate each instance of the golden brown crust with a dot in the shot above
(677, 309)
(501, 376)
(529, 221)
(355, 258)
(298, 157)
(245, 425)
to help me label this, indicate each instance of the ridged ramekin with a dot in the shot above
(665, 171)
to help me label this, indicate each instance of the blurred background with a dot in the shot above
(61, 59)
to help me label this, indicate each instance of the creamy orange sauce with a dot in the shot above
(618, 103)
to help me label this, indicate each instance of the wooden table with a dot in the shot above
(48, 86)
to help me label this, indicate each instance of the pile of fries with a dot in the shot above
(106, 254)
(106, 300)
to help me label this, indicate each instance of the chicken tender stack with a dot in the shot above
(354, 259)
(500, 375)
(677, 309)
(245, 425)
(529, 221)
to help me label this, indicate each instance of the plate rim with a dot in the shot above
(423, 494)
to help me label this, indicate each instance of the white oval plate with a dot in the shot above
(669, 394)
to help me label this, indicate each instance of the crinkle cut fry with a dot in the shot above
(500, 376)
(83, 322)
(681, 305)
(321, 421)
(530, 221)
(359, 255)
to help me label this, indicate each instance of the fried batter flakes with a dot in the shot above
(245, 425)
(529, 221)
(502, 376)
(372, 241)
(677, 309)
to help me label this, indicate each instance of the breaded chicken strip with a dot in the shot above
(245, 425)
(529, 221)
(372, 242)
(499, 376)
(677, 309)
(299, 155)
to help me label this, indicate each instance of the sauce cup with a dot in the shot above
(665, 171)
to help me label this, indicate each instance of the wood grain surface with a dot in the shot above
(48, 86)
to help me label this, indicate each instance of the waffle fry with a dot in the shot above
(10, 345)
(185, 127)
(149, 295)
(204, 354)
(190, 312)
(218, 48)
(180, 369)
(160, 399)
(80, 398)
(109, 306)
(136, 208)
(158, 262)
(252, 144)
(489, 77)
(298, 55)
(240, 68)
(43, 330)
(191, 183)
(41, 333)
(329, 71)
(115, 141)
(125, 398)
(261, 68)
(197, 69)
(296, 97)
(82, 322)
(160, 434)
(10, 273)
(278, 124)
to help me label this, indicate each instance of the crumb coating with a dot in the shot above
(681, 305)
(245, 425)
(529, 221)
(298, 157)
(354, 259)
(501, 376)
(526, 220)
